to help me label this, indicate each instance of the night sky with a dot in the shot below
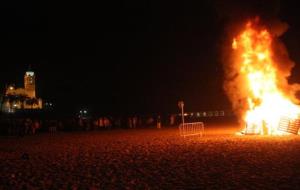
(123, 57)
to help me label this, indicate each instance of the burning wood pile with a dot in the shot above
(286, 126)
(257, 80)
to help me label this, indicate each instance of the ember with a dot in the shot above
(260, 82)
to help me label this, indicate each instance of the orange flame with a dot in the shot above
(266, 101)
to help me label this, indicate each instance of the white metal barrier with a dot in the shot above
(289, 125)
(191, 129)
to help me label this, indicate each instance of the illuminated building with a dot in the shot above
(22, 98)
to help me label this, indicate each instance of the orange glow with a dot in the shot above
(267, 102)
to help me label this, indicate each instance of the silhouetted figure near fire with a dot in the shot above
(130, 122)
(264, 127)
(134, 122)
(172, 120)
(158, 122)
(13, 127)
(28, 125)
(150, 121)
(35, 125)
(21, 127)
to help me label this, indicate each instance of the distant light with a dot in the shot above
(30, 73)
(15, 105)
(11, 111)
(11, 88)
(185, 114)
(85, 111)
(80, 111)
(222, 113)
(216, 113)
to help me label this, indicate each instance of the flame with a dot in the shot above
(266, 100)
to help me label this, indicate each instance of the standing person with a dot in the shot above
(21, 126)
(35, 125)
(140, 122)
(158, 122)
(60, 126)
(130, 122)
(264, 127)
(172, 120)
(101, 122)
(28, 126)
(118, 122)
(105, 121)
(13, 128)
(150, 121)
(134, 121)
(80, 123)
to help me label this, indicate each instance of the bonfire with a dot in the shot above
(257, 82)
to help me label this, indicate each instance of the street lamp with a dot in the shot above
(181, 105)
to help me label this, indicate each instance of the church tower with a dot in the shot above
(29, 83)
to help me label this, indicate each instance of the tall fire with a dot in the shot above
(258, 86)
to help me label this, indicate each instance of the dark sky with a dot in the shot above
(118, 57)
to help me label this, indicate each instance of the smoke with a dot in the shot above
(282, 60)
(236, 10)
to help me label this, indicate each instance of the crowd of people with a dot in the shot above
(31, 125)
